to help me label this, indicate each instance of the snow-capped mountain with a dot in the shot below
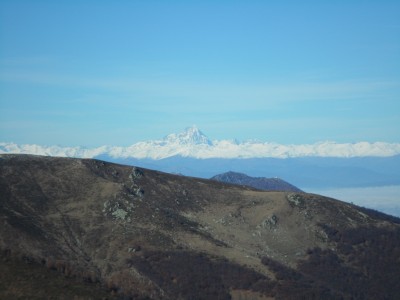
(193, 143)
(191, 136)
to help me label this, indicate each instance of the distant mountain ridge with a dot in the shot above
(262, 183)
(192, 153)
(195, 144)
(304, 172)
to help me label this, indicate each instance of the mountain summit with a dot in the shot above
(191, 136)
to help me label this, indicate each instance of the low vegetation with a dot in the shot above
(86, 229)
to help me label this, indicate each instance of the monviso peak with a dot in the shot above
(191, 136)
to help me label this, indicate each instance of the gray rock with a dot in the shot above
(136, 173)
(270, 223)
(296, 200)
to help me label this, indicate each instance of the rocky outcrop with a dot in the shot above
(270, 223)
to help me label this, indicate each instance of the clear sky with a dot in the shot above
(116, 72)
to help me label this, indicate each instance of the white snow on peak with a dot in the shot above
(191, 136)
(52, 150)
(193, 143)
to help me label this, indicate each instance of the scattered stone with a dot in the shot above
(270, 223)
(308, 215)
(134, 249)
(120, 214)
(119, 208)
(296, 200)
(321, 235)
(136, 173)
(139, 192)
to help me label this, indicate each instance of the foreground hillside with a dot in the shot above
(90, 229)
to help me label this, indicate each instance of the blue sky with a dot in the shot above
(116, 72)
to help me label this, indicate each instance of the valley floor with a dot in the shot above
(384, 198)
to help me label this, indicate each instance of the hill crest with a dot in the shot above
(262, 183)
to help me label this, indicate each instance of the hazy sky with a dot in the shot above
(116, 72)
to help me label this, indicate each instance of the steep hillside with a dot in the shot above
(261, 183)
(141, 234)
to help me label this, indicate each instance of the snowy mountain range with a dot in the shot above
(195, 144)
